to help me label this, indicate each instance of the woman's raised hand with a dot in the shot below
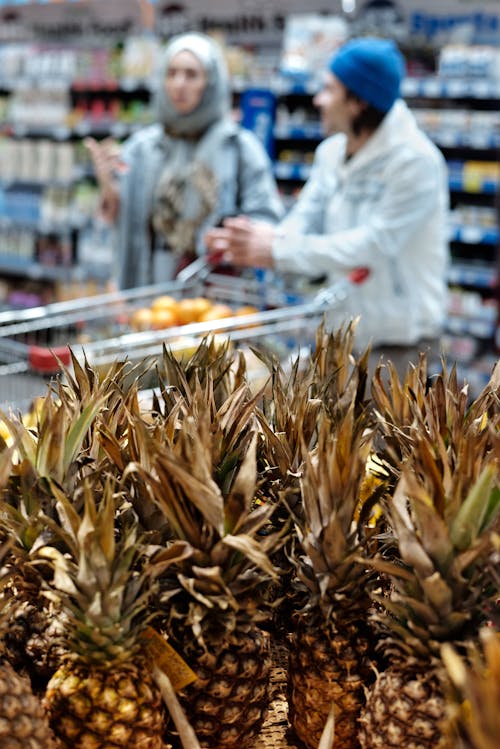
(107, 163)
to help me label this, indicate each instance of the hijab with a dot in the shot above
(215, 100)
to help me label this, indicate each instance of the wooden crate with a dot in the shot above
(276, 732)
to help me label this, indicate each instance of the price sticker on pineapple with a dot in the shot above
(167, 659)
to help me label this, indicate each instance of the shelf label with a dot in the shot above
(410, 86)
(471, 234)
(82, 128)
(481, 89)
(118, 130)
(456, 88)
(61, 132)
(432, 87)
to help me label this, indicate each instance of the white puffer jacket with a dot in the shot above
(385, 209)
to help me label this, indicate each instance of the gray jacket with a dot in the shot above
(245, 185)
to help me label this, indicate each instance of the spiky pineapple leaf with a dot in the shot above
(432, 527)
(481, 503)
(252, 550)
(177, 482)
(242, 492)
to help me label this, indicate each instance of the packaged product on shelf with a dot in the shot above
(308, 42)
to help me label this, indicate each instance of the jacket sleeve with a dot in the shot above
(258, 195)
(414, 187)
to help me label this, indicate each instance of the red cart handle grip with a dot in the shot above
(48, 360)
(359, 275)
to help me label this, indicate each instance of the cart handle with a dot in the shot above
(48, 360)
(358, 275)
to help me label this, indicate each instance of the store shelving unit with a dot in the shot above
(47, 187)
(465, 124)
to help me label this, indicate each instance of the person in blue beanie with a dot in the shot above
(377, 197)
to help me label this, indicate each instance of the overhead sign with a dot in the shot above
(261, 22)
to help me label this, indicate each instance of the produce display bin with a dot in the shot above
(35, 342)
(276, 732)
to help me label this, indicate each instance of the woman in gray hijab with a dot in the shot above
(171, 181)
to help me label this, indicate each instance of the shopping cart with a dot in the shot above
(36, 343)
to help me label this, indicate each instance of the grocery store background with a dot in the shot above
(80, 67)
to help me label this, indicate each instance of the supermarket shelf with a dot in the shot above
(285, 170)
(432, 87)
(292, 170)
(40, 226)
(10, 265)
(474, 140)
(453, 88)
(65, 82)
(80, 130)
(309, 131)
(459, 183)
(469, 274)
(445, 138)
(478, 327)
(474, 235)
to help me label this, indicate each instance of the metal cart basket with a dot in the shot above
(34, 342)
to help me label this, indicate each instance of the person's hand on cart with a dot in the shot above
(241, 242)
(107, 164)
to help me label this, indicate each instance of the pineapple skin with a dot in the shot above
(326, 668)
(406, 707)
(23, 723)
(227, 704)
(101, 708)
(33, 643)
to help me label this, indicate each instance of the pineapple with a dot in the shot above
(289, 421)
(103, 694)
(475, 698)
(216, 565)
(23, 722)
(22, 718)
(442, 513)
(55, 448)
(330, 652)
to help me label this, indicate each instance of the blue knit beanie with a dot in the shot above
(372, 69)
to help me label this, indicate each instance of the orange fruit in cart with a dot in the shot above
(246, 309)
(192, 309)
(163, 317)
(165, 301)
(142, 318)
(217, 311)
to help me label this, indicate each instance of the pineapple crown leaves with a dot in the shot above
(55, 448)
(329, 533)
(337, 376)
(24, 502)
(439, 589)
(328, 384)
(210, 509)
(288, 420)
(211, 519)
(102, 580)
(440, 415)
(212, 361)
(474, 692)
